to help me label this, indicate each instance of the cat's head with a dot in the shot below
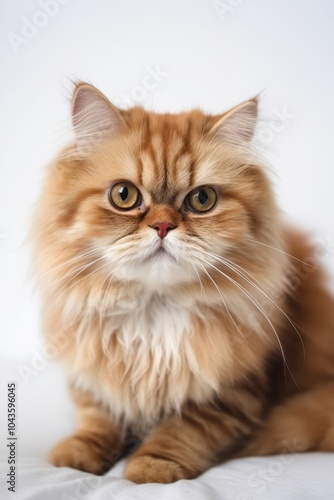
(159, 199)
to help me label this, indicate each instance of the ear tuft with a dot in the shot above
(237, 125)
(94, 118)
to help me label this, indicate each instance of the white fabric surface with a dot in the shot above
(294, 477)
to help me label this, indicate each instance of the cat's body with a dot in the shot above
(190, 314)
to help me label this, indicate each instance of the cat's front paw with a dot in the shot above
(79, 452)
(148, 469)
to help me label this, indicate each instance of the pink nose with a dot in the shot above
(163, 228)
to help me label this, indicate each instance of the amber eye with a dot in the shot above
(124, 196)
(201, 199)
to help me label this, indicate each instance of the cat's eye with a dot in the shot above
(124, 196)
(201, 199)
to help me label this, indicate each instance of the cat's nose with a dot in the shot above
(163, 228)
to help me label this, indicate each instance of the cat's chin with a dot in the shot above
(159, 254)
(157, 271)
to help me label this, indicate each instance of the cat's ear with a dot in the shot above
(93, 116)
(238, 124)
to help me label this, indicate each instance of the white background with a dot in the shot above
(211, 58)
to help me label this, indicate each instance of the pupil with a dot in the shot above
(123, 193)
(203, 197)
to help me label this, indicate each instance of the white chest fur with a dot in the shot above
(153, 323)
(151, 364)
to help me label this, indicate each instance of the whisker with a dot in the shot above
(86, 266)
(232, 265)
(115, 247)
(282, 251)
(73, 259)
(90, 274)
(256, 304)
(223, 300)
(109, 278)
(84, 277)
(197, 274)
(77, 271)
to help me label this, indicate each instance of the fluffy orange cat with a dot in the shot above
(192, 315)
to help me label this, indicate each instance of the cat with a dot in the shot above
(195, 318)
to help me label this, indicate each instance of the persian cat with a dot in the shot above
(188, 315)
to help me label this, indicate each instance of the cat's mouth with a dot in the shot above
(159, 253)
(160, 250)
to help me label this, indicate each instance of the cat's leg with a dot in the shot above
(97, 443)
(304, 422)
(184, 446)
